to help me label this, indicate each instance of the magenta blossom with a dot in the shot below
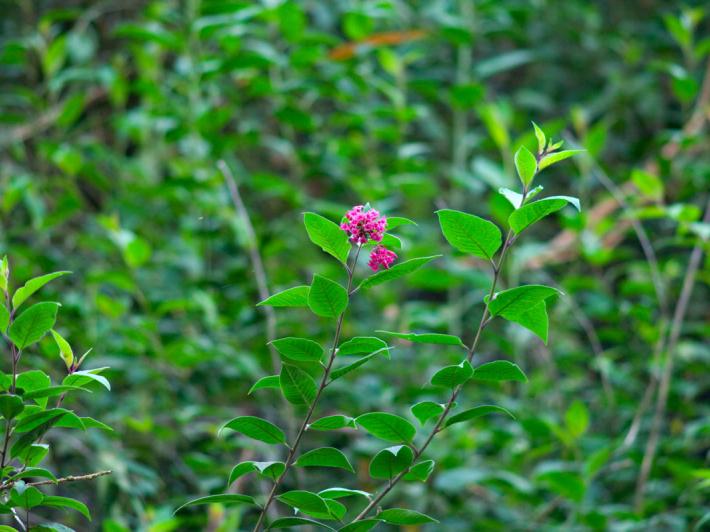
(381, 256)
(363, 225)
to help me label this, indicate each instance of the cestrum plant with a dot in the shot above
(308, 368)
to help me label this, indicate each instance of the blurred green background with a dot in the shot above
(115, 115)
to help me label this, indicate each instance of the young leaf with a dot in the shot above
(499, 371)
(396, 271)
(31, 286)
(299, 349)
(361, 345)
(270, 381)
(533, 212)
(4, 318)
(426, 410)
(327, 298)
(290, 522)
(332, 423)
(65, 350)
(325, 457)
(340, 493)
(257, 429)
(540, 136)
(326, 234)
(526, 165)
(65, 502)
(470, 234)
(556, 157)
(4, 273)
(228, 499)
(30, 326)
(513, 303)
(305, 501)
(476, 412)
(239, 470)
(427, 338)
(364, 525)
(341, 372)
(389, 462)
(402, 516)
(388, 427)
(297, 386)
(82, 378)
(11, 406)
(515, 199)
(396, 221)
(421, 471)
(452, 376)
(296, 296)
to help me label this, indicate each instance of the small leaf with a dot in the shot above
(476, 412)
(4, 318)
(515, 199)
(499, 371)
(389, 462)
(270, 470)
(65, 350)
(326, 234)
(11, 406)
(305, 501)
(340, 372)
(526, 165)
(31, 286)
(364, 525)
(299, 349)
(553, 158)
(541, 139)
(470, 234)
(228, 499)
(361, 345)
(421, 471)
(325, 457)
(452, 376)
(257, 429)
(327, 298)
(289, 522)
(512, 304)
(396, 221)
(297, 386)
(427, 338)
(239, 470)
(296, 296)
(340, 493)
(65, 502)
(332, 423)
(533, 212)
(270, 381)
(388, 427)
(426, 410)
(26, 497)
(30, 326)
(82, 378)
(577, 419)
(396, 271)
(402, 516)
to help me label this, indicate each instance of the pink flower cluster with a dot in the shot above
(363, 225)
(381, 256)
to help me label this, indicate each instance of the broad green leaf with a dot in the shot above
(340, 493)
(256, 428)
(526, 165)
(389, 241)
(24, 496)
(272, 470)
(31, 286)
(32, 380)
(52, 391)
(299, 349)
(556, 157)
(426, 410)
(476, 412)
(421, 471)
(396, 221)
(65, 502)
(388, 427)
(535, 320)
(512, 304)
(290, 522)
(30, 326)
(297, 386)
(34, 472)
(427, 338)
(239, 470)
(70, 421)
(566, 483)
(332, 423)
(11, 406)
(30, 454)
(364, 525)
(4, 318)
(470, 234)
(402, 516)
(337, 509)
(452, 376)
(327, 298)
(499, 371)
(305, 501)
(340, 372)
(296, 296)
(91, 423)
(328, 235)
(391, 461)
(361, 345)
(26, 423)
(82, 378)
(270, 381)
(540, 136)
(531, 213)
(325, 457)
(228, 499)
(65, 350)
(396, 271)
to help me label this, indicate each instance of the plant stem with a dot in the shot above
(324, 381)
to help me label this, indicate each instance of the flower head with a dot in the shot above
(364, 224)
(381, 256)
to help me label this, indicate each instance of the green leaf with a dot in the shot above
(535, 320)
(325, 457)
(476, 412)
(647, 183)
(499, 371)
(4, 273)
(256, 428)
(427, 338)
(52, 391)
(34, 472)
(299, 349)
(297, 386)
(32, 380)
(361, 345)
(270, 470)
(396, 221)
(577, 419)
(396, 271)
(228, 499)
(332, 423)
(82, 378)
(391, 461)
(470, 234)
(65, 350)
(328, 235)
(515, 199)
(289, 522)
(340, 372)
(426, 410)
(421, 471)
(365, 525)
(31, 421)
(512, 304)
(566, 483)
(4, 318)
(402, 516)
(25, 496)
(239, 470)
(336, 509)
(388, 427)
(296, 296)
(306, 502)
(340, 493)
(533, 212)
(30, 326)
(327, 298)
(11, 406)
(553, 158)
(270, 381)
(65, 502)
(452, 376)
(541, 139)
(526, 165)
(32, 286)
